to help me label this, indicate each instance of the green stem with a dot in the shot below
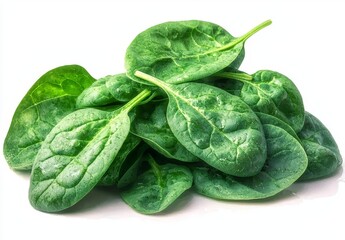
(152, 96)
(151, 79)
(244, 37)
(156, 169)
(239, 76)
(136, 100)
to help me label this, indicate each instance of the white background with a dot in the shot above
(305, 42)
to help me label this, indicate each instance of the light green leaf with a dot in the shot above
(51, 98)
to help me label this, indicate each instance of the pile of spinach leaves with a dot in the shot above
(182, 116)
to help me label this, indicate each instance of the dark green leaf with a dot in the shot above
(272, 93)
(269, 119)
(215, 126)
(111, 176)
(177, 52)
(151, 125)
(323, 154)
(157, 188)
(76, 154)
(110, 89)
(286, 162)
(131, 166)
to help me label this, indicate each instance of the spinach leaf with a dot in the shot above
(286, 162)
(52, 97)
(226, 83)
(76, 154)
(112, 174)
(110, 89)
(157, 188)
(269, 119)
(151, 125)
(272, 93)
(238, 61)
(131, 166)
(215, 126)
(323, 154)
(177, 52)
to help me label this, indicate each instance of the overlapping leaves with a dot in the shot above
(182, 116)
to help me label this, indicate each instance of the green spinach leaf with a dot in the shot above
(132, 165)
(269, 119)
(52, 97)
(157, 188)
(110, 89)
(151, 125)
(215, 126)
(76, 154)
(286, 162)
(272, 93)
(238, 61)
(323, 154)
(177, 52)
(111, 176)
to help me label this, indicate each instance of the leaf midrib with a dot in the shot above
(54, 180)
(172, 93)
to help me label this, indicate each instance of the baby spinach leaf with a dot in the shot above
(177, 52)
(76, 154)
(215, 126)
(157, 188)
(112, 174)
(52, 97)
(110, 89)
(286, 162)
(151, 125)
(323, 154)
(272, 93)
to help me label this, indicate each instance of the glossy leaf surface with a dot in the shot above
(184, 51)
(273, 93)
(286, 162)
(52, 97)
(76, 154)
(151, 125)
(215, 126)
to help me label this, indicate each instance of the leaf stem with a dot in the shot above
(151, 79)
(136, 100)
(239, 76)
(152, 96)
(244, 37)
(156, 169)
